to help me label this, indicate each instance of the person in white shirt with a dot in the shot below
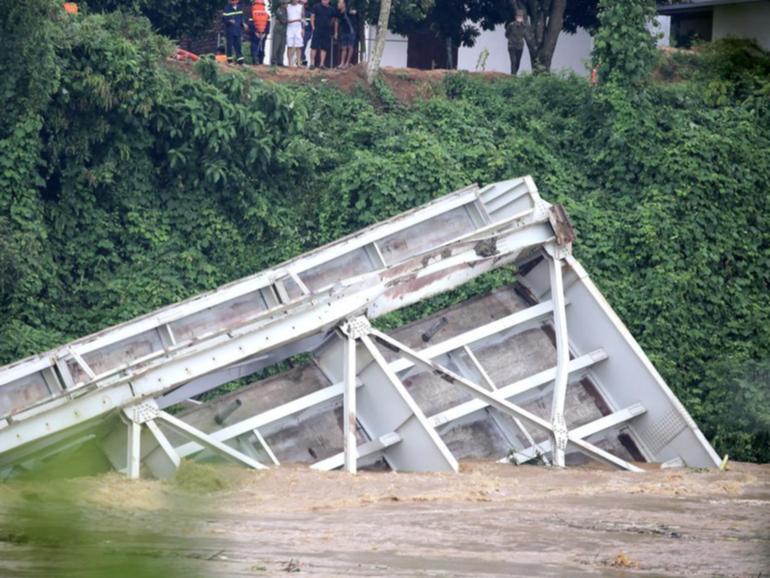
(295, 31)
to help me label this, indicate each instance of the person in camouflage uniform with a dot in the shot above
(514, 32)
(280, 20)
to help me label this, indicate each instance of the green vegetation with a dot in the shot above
(624, 50)
(174, 18)
(127, 183)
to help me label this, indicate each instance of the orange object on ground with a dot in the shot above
(260, 16)
(220, 58)
(182, 54)
(71, 7)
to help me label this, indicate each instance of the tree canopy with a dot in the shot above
(174, 18)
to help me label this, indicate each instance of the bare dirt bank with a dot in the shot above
(490, 520)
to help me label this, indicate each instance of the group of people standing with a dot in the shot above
(295, 24)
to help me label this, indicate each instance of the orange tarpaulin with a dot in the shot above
(182, 54)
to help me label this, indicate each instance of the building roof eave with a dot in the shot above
(695, 5)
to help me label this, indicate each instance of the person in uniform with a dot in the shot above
(280, 19)
(514, 32)
(232, 18)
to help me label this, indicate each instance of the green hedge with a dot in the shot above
(133, 184)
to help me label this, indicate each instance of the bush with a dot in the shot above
(135, 184)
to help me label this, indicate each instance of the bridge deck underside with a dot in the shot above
(316, 434)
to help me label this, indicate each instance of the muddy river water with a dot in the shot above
(489, 520)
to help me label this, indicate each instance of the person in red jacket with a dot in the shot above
(259, 27)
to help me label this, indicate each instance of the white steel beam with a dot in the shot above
(163, 461)
(558, 421)
(424, 431)
(491, 385)
(378, 292)
(266, 447)
(268, 417)
(207, 441)
(500, 325)
(364, 450)
(134, 450)
(494, 399)
(349, 405)
(603, 423)
(467, 197)
(163, 442)
(542, 378)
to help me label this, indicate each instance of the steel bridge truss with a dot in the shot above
(116, 386)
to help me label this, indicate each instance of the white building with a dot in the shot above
(573, 52)
(676, 23)
(707, 20)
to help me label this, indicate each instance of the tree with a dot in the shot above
(544, 20)
(624, 49)
(373, 68)
(174, 18)
(460, 22)
(581, 14)
(456, 22)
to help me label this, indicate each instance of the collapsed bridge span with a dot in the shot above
(542, 370)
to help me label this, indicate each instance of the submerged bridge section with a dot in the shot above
(542, 370)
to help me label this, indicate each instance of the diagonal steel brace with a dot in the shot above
(502, 404)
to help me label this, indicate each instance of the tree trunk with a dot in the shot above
(546, 18)
(373, 68)
(449, 54)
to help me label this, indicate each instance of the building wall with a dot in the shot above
(661, 27)
(750, 20)
(573, 51)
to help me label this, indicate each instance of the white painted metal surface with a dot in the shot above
(120, 379)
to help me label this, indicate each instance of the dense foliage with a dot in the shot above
(127, 184)
(174, 18)
(624, 50)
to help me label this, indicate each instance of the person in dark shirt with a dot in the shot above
(514, 32)
(280, 20)
(232, 18)
(321, 21)
(345, 27)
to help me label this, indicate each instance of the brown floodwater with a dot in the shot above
(489, 520)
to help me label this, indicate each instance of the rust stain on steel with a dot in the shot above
(413, 283)
(561, 224)
(427, 259)
(486, 247)
(443, 374)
